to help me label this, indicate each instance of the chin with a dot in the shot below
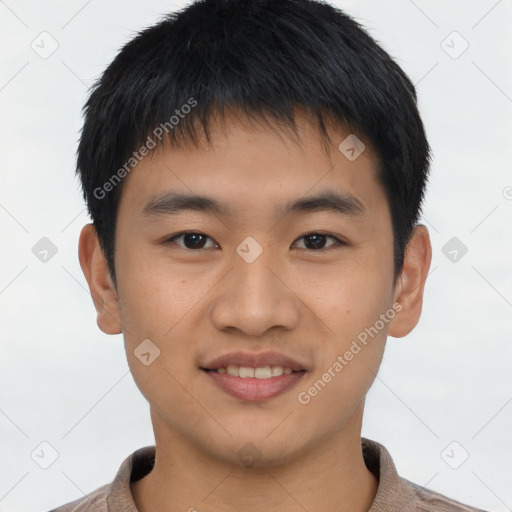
(258, 451)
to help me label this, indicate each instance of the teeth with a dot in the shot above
(232, 370)
(245, 372)
(277, 371)
(264, 372)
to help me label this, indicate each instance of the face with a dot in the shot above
(279, 276)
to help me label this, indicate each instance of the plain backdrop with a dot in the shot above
(442, 402)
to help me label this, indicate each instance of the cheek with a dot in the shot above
(167, 389)
(351, 300)
(351, 351)
(157, 303)
(343, 376)
(154, 295)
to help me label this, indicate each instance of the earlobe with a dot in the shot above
(411, 283)
(103, 292)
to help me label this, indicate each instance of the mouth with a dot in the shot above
(254, 377)
(254, 384)
(247, 372)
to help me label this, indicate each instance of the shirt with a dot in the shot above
(394, 493)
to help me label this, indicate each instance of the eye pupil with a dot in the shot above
(317, 239)
(196, 239)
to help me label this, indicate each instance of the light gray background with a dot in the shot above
(67, 383)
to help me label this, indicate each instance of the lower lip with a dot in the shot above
(252, 389)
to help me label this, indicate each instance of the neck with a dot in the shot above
(330, 476)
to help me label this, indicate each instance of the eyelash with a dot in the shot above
(337, 241)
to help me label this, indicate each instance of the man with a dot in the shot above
(255, 172)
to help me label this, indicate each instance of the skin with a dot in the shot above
(196, 304)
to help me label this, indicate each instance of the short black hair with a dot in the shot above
(263, 58)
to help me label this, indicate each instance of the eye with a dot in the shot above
(316, 241)
(192, 240)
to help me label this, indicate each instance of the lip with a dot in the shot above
(252, 389)
(254, 360)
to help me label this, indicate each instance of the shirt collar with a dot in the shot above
(391, 488)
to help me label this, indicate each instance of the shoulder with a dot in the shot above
(397, 493)
(426, 500)
(117, 494)
(95, 501)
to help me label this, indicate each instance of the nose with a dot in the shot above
(256, 297)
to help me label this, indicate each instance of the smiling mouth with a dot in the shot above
(247, 372)
(254, 384)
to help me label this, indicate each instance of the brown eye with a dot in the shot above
(191, 240)
(317, 241)
(311, 242)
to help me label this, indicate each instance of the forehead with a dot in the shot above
(248, 165)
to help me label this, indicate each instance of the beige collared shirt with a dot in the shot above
(393, 494)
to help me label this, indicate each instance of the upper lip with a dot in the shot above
(254, 360)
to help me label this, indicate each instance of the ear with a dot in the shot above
(411, 283)
(103, 292)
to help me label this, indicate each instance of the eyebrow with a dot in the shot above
(174, 203)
